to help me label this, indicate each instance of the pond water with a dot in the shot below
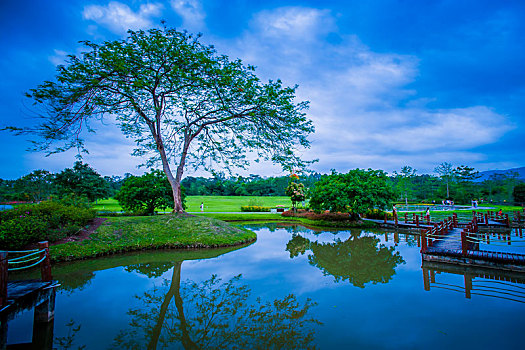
(293, 288)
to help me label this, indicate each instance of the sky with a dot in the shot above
(390, 83)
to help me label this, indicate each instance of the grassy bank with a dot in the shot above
(122, 234)
(241, 219)
(211, 203)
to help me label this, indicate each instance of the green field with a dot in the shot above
(211, 203)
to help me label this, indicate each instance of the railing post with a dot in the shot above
(423, 241)
(417, 220)
(486, 219)
(406, 217)
(395, 219)
(464, 242)
(45, 266)
(3, 278)
(507, 221)
(386, 217)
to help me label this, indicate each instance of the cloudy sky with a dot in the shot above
(390, 83)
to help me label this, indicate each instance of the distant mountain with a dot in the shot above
(485, 175)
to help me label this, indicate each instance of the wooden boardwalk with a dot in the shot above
(16, 296)
(447, 243)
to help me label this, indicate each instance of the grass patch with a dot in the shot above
(211, 203)
(243, 219)
(122, 234)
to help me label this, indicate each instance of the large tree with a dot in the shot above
(182, 103)
(354, 192)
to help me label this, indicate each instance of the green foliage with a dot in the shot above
(255, 208)
(82, 181)
(147, 192)
(356, 192)
(519, 193)
(45, 221)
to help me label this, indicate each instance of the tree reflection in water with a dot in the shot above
(358, 259)
(213, 315)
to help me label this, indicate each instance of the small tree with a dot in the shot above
(296, 192)
(446, 172)
(147, 192)
(82, 181)
(355, 192)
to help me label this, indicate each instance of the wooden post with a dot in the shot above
(406, 217)
(464, 242)
(468, 285)
(45, 266)
(507, 221)
(395, 218)
(43, 322)
(423, 242)
(486, 219)
(3, 278)
(417, 220)
(426, 279)
(386, 217)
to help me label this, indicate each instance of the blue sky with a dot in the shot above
(390, 83)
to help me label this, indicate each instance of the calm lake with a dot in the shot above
(293, 288)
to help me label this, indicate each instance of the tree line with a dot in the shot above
(459, 184)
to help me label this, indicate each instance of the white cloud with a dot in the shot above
(364, 111)
(191, 12)
(58, 58)
(119, 17)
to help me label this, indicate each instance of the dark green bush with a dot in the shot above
(45, 221)
(255, 208)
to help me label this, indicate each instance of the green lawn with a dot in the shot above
(122, 234)
(211, 203)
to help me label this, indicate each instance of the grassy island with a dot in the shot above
(123, 234)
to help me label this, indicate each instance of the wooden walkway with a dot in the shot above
(447, 243)
(16, 296)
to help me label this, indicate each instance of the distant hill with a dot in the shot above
(485, 175)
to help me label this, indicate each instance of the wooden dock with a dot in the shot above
(448, 243)
(17, 296)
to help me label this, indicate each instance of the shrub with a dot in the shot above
(45, 221)
(255, 208)
(327, 216)
(375, 214)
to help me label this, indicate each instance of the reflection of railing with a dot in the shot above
(24, 259)
(477, 281)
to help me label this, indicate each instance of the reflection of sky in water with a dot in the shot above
(397, 314)
(503, 242)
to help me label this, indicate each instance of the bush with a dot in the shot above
(328, 216)
(375, 214)
(255, 208)
(45, 221)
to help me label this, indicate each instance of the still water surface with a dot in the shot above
(293, 288)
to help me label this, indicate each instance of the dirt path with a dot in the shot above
(84, 234)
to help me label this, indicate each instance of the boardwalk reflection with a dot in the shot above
(358, 260)
(486, 282)
(213, 314)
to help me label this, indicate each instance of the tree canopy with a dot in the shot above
(356, 192)
(181, 102)
(147, 192)
(82, 181)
